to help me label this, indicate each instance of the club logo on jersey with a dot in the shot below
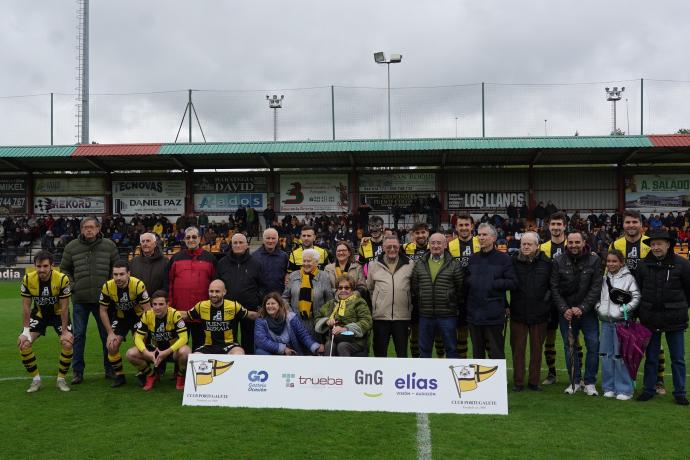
(203, 372)
(46, 291)
(468, 377)
(467, 251)
(161, 327)
(218, 316)
(633, 253)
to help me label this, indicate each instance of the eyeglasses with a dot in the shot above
(191, 237)
(344, 288)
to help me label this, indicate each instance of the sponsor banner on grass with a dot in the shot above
(313, 193)
(457, 386)
(229, 183)
(12, 195)
(397, 182)
(72, 205)
(464, 200)
(663, 192)
(66, 185)
(228, 202)
(149, 196)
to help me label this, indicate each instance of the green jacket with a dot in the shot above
(89, 266)
(439, 298)
(356, 318)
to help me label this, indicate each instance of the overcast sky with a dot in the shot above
(238, 51)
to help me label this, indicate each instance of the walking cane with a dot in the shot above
(571, 354)
(330, 353)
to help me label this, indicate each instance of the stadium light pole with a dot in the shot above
(380, 58)
(546, 133)
(456, 125)
(275, 103)
(613, 95)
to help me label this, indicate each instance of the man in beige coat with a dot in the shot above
(389, 284)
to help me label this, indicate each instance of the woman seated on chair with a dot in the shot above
(279, 331)
(346, 321)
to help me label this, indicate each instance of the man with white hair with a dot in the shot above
(149, 265)
(241, 274)
(489, 275)
(273, 261)
(530, 307)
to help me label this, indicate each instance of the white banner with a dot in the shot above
(481, 200)
(149, 196)
(66, 185)
(73, 205)
(228, 202)
(397, 182)
(663, 192)
(457, 386)
(313, 193)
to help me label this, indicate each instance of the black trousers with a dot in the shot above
(490, 337)
(383, 330)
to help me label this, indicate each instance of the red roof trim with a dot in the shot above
(109, 150)
(670, 140)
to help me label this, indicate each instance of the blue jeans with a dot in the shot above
(261, 351)
(589, 325)
(80, 319)
(614, 374)
(428, 325)
(676, 348)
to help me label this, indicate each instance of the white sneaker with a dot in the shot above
(62, 385)
(572, 389)
(609, 394)
(591, 390)
(34, 387)
(623, 397)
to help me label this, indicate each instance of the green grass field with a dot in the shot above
(95, 421)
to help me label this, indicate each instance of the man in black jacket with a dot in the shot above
(436, 288)
(149, 266)
(576, 280)
(664, 281)
(241, 274)
(489, 276)
(530, 307)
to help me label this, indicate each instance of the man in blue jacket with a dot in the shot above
(273, 262)
(490, 274)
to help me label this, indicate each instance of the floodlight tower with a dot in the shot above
(614, 95)
(82, 105)
(380, 58)
(275, 103)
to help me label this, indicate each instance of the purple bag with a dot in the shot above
(633, 338)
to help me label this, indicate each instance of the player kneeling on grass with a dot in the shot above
(50, 292)
(160, 335)
(123, 300)
(219, 317)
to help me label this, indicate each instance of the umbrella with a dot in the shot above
(633, 338)
(571, 354)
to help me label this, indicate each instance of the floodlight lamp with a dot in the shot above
(380, 58)
(622, 88)
(395, 58)
(607, 90)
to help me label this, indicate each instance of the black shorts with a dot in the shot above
(216, 349)
(39, 323)
(553, 320)
(121, 326)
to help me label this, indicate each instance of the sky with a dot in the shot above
(545, 65)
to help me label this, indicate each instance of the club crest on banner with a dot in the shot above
(204, 371)
(468, 377)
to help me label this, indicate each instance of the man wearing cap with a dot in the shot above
(664, 281)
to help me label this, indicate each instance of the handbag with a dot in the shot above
(618, 296)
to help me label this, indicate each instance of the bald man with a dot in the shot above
(218, 317)
(273, 262)
(241, 274)
(149, 265)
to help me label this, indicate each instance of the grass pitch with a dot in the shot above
(95, 421)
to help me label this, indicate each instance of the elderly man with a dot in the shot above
(88, 262)
(241, 274)
(149, 266)
(664, 281)
(307, 236)
(576, 279)
(389, 284)
(436, 288)
(273, 262)
(490, 275)
(530, 309)
(188, 276)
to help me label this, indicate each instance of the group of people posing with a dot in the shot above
(433, 292)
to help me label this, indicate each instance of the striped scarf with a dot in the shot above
(340, 307)
(339, 272)
(305, 293)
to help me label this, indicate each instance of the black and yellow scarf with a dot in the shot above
(339, 272)
(340, 307)
(305, 293)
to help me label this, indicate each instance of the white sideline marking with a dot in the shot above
(423, 437)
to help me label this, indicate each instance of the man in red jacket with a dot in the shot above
(188, 275)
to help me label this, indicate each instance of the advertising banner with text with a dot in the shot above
(661, 193)
(455, 386)
(66, 185)
(397, 182)
(313, 193)
(149, 196)
(12, 195)
(484, 200)
(228, 202)
(229, 183)
(69, 205)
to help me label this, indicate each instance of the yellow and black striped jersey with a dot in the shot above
(369, 250)
(124, 300)
(462, 250)
(633, 252)
(218, 322)
(170, 331)
(413, 252)
(46, 294)
(551, 249)
(295, 259)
